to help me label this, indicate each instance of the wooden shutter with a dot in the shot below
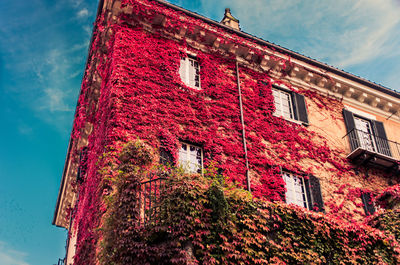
(182, 70)
(283, 196)
(300, 107)
(369, 207)
(382, 143)
(351, 132)
(308, 193)
(166, 157)
(192, 73)
(315, 202)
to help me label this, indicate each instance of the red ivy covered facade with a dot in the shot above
(132, 89)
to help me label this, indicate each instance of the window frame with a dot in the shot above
(364, 143)
(378, 133)
(304, 187)
(187, 167)
(184, 71)
(290, 104)
(313, 192)
(297, 105)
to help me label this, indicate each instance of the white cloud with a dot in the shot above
(370, 33)
(24, 129)
(343, 33)
(76, 3)
(9, 256)
(58, 68)
(83, 13)
(393, 78)
(54, 100)
(88, 30)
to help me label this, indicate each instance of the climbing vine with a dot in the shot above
(142, 96)
(203, 220)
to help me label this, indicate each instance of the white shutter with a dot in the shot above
(192, 73)
(182, 70)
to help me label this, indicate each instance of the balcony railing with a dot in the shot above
(60, 262)
(367, 148)
(150, 192)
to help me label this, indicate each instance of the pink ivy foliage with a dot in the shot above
(142, 96)
(389, 196)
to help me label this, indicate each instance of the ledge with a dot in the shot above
(365, 157)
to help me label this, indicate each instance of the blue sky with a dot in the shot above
(43, 48)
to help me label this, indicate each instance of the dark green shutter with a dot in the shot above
(283, 196)
(368, 204)
(382, 143)
(351, 129)
(300, 107)
(315, 202)
(308, 193)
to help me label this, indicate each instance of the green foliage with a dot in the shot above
(203, 220)
(135, 153)
(388, 221)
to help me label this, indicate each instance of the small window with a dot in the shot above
(304, 191)
(283, 104)
(295, 190)
(190, 72)
(289, 105)
(365, 133)
(191, 158)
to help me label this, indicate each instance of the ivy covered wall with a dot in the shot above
(142, 96)
(201, 219)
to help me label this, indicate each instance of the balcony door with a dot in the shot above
(365, 134)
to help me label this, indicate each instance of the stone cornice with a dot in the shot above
(351, 89)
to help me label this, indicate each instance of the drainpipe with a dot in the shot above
(243, 128)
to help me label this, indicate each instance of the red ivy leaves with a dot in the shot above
(142, 96)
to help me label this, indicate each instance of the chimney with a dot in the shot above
(229, 20)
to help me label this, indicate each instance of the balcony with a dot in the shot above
(370, 150)
(60, 262)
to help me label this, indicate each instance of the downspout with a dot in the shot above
(243, 128)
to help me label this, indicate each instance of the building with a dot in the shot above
(282, 125)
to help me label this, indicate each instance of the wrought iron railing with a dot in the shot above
(60, 262)
(370, 142)
(149, 198)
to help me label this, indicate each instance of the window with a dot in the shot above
(295, 190)
(366, 134)
(283, 104)
(289, 105)
(304, 191)
(191, 158)
(190, 72)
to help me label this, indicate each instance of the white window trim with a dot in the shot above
(370, 142)
(303, 185)
(285, 89)
(360, 113)
(185, 167)
(185, 63)
(291, 109)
